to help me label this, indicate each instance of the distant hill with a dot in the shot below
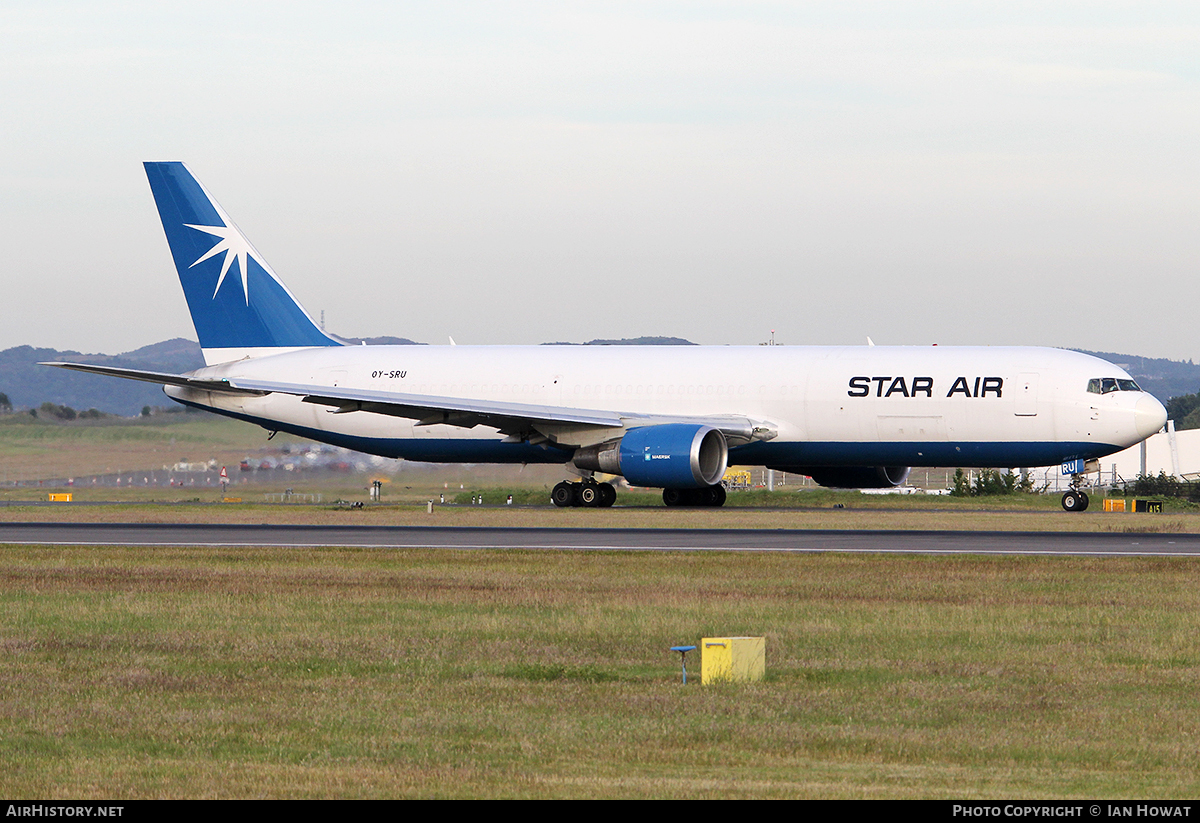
(379, 341)
(1161, 377)
(29, 385)
(631, 341)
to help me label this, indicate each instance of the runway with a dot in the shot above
(747, 540)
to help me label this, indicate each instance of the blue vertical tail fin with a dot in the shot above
(239, 305)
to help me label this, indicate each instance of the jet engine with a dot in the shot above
(672, 456)
(853, 477)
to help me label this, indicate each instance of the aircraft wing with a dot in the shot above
(431, 409)
(515, 419)
(509, 418)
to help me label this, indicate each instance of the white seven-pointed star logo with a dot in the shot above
(235, 246)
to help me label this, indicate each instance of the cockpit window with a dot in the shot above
(1104, 385)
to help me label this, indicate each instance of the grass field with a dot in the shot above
(32, 449)
(343, 673)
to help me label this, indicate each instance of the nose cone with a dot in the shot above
(1148, 416)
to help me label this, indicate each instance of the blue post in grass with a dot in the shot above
(683, 650)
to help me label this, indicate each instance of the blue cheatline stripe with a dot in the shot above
(983, 454)
(225, 317)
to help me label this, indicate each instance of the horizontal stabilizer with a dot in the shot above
(162, 378)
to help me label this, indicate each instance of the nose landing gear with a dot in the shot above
(1075, 501)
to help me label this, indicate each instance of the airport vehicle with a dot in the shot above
(669, 417)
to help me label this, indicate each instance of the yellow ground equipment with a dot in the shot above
(736, 480)
(725, 659)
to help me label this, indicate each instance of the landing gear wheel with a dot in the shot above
(608, 495)
(563, 495)
(694, 497)
(1073, 501)
(1086, 500)
(589, 495)
(674, 497)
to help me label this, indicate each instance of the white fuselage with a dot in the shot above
(829, 406)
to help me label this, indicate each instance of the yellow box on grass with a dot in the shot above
(724, 659)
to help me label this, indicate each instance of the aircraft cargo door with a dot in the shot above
(1027, 395)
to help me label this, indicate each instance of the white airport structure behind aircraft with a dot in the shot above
(1173, 453)
(670, 417)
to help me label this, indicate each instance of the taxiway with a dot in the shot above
(584, 539)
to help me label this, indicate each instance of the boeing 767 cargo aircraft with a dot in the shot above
(666, 417)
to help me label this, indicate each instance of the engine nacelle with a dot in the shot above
(854, 477)
(670, 456)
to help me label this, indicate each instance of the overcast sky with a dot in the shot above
(954, 173)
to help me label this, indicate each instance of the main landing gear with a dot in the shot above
(588, 493)
(712, 496)
(593, 495)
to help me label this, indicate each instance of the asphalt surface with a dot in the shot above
(791, 540)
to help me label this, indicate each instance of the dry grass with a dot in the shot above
(32, 449)
(649, 517)
(348, 673)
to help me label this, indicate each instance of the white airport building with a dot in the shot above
(1175, 453)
